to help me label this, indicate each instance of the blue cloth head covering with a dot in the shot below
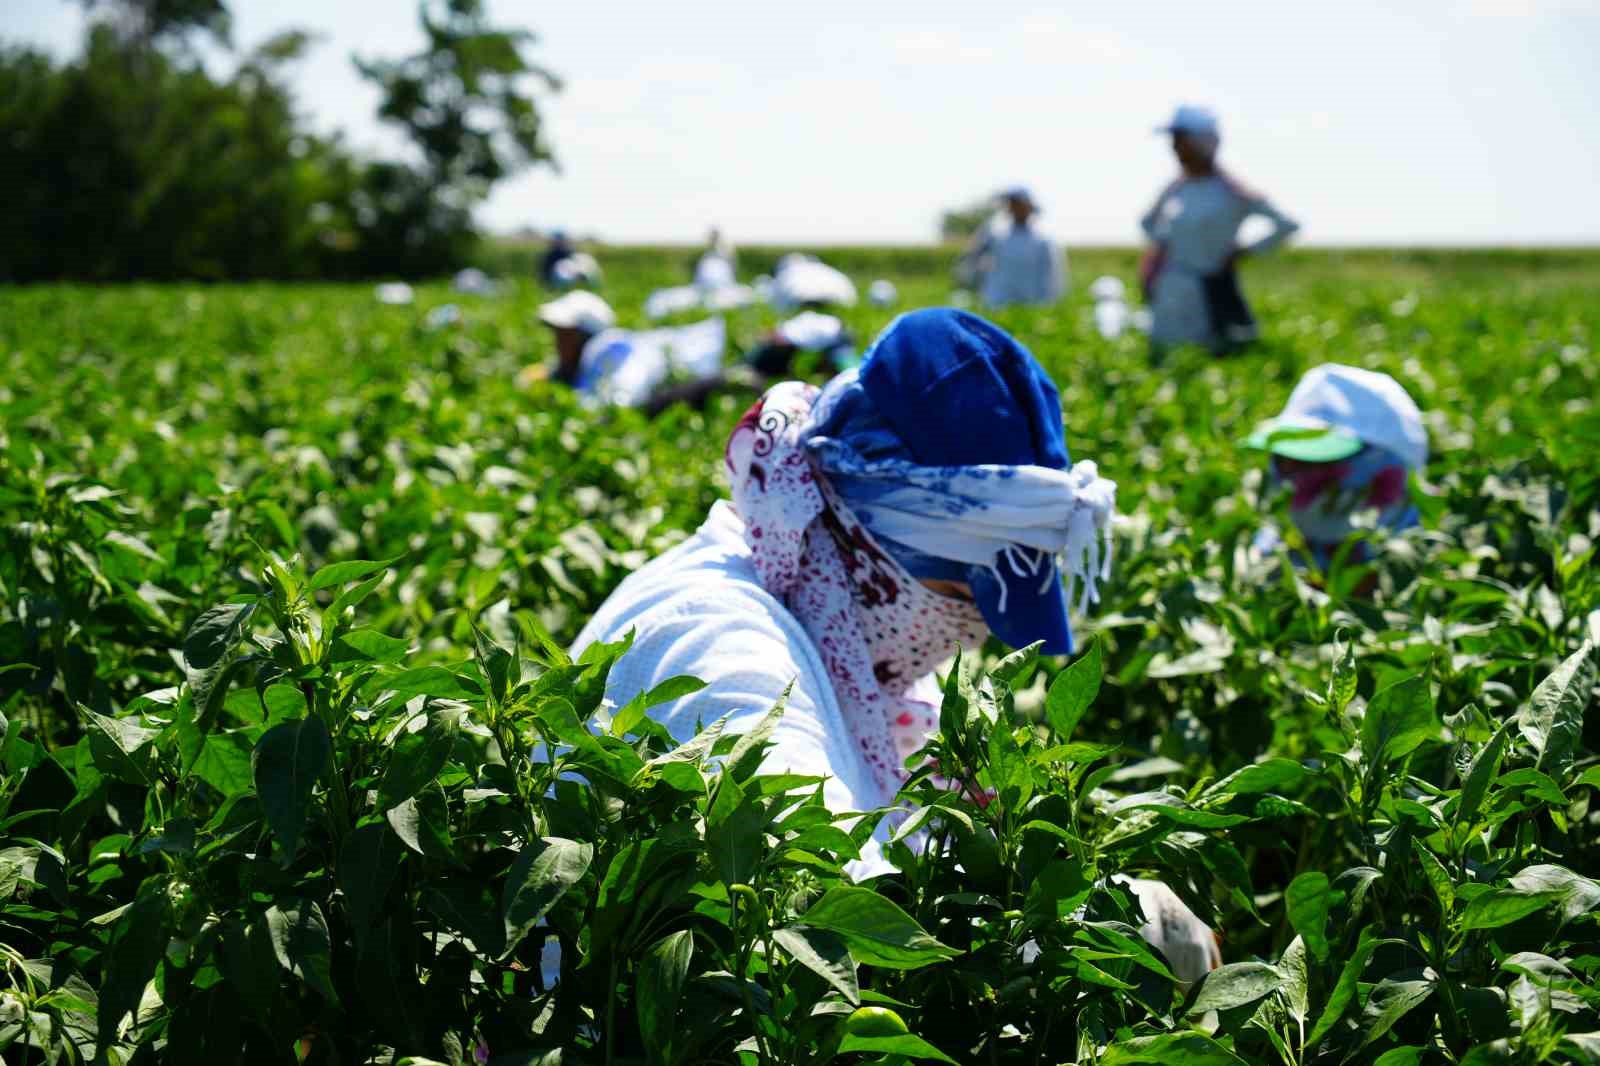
(945, 392)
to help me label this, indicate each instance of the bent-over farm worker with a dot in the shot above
(1019, 265)
(1188, 271)
(1345, 443)
(912, 505)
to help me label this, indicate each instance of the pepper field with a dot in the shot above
(285, 582)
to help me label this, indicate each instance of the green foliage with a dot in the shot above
(293, 763)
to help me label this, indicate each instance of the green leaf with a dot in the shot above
(824, 954)
(878, 932)
(1170, 1049)
(1269, 775)
(368, 863)
(1575, 893)
(1073, 690)
(138, 941)
(1400, 1056)
(344, 573)
(632, 713)
(1308, 900)
(1390, 1001)
(906, 1044)
(1552, 719)
(543, 872)
(423, 824)
(1444, 888)
(417, 758)
(1342, 682)
(659, 986)
(1235, 985)
(1398, 720)
(1490, 910)
(301, 943)
(734, 830)
(215, 634)
(369, 645)
(433, 681)
(1057, 891)
(1344, 989)
(1481, 775)
(286, 763)
(119, 746)
(745, 758)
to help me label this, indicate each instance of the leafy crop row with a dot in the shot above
(261, 800)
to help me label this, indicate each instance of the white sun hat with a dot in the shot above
(580, 310)
(1335, 409)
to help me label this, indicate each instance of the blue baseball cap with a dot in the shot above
(960, 391)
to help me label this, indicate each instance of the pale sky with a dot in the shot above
(1413, 121)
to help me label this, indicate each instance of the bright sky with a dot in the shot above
(1412, 121)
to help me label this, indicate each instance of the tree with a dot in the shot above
(466, 103)
(959, 223)
(145, 23)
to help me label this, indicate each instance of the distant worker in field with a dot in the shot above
(626, 368)
(1345, 447)
(715, 269)
(912, 505)
(564, 267)
(1188, 272)
(1010, 261)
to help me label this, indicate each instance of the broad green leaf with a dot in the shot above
(543, 872)
(878, 932)
(215, 634)
(1344, 989)
(1575, 893)
(1170, 1049)
(735, 827)
(300, 940)
(368, 863)
(1498, 907)
(1444, 889)
(417, 757)
(423, 824)
(1552, 719)
(745, 758)
(344, 573)
(631, 713)
(1057, 891)
(1398, 720)
(1308, 900)
(1481, 775)
(1400, 1056)
(1296, 984)
(286, 763)
(824, 954)
(137, 943)
(1390, 1001)
(1269, 775)
(1017, 668)
(1235, 985)
(369, 644)
(119, 746)
(1073, 691)
(906, 1044)
(433, 681)
(659, 986)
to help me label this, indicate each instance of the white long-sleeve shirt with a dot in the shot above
(1196, 221)
(1026, 267)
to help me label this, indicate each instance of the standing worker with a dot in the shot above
(1188, 272)
(1016, 264)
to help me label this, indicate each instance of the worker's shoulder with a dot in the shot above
(1240, 188)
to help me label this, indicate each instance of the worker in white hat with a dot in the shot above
(1193, 228)
(1013, 261)
(1347, 442)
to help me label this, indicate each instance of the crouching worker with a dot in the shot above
(1344, 447)
(912, 505)
(625, 368)
(811, 332)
